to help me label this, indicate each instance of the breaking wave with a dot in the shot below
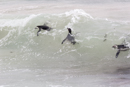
(25, 48)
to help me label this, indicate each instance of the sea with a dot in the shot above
(28, 60)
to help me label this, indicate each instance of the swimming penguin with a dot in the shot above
(120, 48)
(44, 27)
(69, 37)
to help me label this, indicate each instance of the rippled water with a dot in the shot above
(28, 60)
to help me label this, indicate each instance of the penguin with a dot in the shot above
(70, 37)
(121, 47)
(44, 27)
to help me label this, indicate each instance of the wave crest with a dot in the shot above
(17, 22)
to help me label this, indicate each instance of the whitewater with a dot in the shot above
(28, 60)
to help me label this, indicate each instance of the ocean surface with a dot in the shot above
(28, 60)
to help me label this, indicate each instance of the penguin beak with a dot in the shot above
(114, 47)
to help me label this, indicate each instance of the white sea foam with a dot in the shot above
(78, 12)
(16, 22)
(75, 16)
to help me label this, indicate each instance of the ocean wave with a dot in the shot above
(47, 46)
(16, 22)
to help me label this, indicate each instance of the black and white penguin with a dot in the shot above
(121, 47)
(69, 37)
(44, 27)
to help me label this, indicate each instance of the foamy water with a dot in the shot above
(28, 60)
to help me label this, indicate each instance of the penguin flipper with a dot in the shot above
(63, 41)
(118, 52)
(38, 32)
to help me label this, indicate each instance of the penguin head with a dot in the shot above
(36, 28)
(115, 46)
(69, 30)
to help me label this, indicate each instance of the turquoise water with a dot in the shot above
(28, 60)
